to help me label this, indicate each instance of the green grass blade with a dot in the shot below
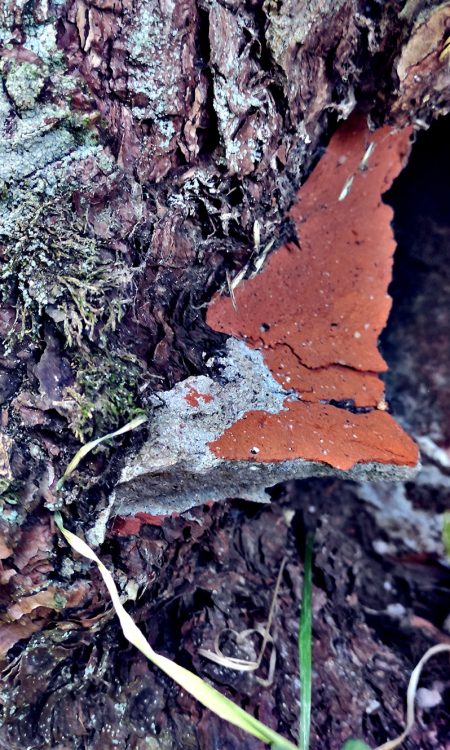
(355, 745)
(305, 648)
(446, 533)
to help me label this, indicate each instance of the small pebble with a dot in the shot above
(426, 698)
(372, 706)
(396, 610)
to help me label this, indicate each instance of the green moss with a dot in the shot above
(4, 484)
(10, 497)
(60, 601)
(55, 269)
(8, 501)
(106, 392)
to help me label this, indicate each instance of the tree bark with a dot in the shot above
(149, 151)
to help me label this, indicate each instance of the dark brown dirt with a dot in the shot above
(89, 689)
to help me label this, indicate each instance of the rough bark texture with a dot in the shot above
(149, 150)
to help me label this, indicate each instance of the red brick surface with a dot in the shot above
(316, 312)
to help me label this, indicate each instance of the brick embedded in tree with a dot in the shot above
(299, 392)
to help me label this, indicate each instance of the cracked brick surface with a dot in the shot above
(317, 310)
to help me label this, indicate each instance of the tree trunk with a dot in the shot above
(150, 151)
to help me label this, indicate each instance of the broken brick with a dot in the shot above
(316, 312)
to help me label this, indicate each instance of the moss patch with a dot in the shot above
(54, 269)
(106, 392)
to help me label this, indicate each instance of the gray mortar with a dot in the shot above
(175, 469)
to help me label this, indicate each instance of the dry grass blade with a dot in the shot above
(88, 447)
(202, 691)
(243, 665)
(411, 696)
(233, 662)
